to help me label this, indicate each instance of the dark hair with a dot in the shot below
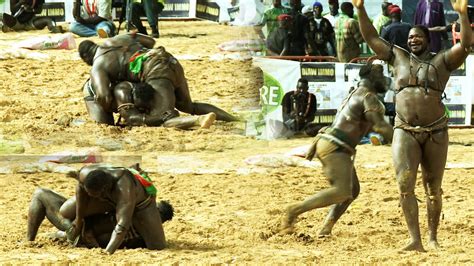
(143, 91)
(87, 51)
(166, 210)
(346, 6)
(425, 30)
(365, 70)
(97, 179)
(303, 80)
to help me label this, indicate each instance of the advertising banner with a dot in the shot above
(176, 9)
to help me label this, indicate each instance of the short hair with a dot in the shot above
(143, 91)
(333, 2)
(86, 48)
(96, 180)
(303, 80)
(345, 6)
(365, 70)
(425, 30)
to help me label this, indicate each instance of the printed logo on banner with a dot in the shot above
(55, 11)
(351, 71)
(207, 10)
(233, 12)
(321, 72)
(176, 8)
(271, 94)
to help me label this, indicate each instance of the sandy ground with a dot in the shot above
(226, 209)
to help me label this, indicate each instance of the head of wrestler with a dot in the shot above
(333, 7)
(87, 51)
(302, 86)
(98, 183)
(374, 73)
(348, 9)
(143, 94)
(418, 39)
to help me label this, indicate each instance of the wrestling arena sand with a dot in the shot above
(226, 209)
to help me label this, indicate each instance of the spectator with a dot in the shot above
(278, 42)
(93, 18)
(397, 32)
(298, 29)
(383, 18)
(270, 19)
(348, 36)
(151, 9)
(333, 14)
(320, 33)
(23, 17)
(299, 109)
(307, 12)
(430, 13)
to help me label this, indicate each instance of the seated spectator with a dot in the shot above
(278, 42)
(93, 18)
(320, 33)
(151, 9)
(397, 32)
(23, 17)
(299, 109)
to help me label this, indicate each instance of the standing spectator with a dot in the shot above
(298, 29)
(348, 36)
(270, 18)
(307, 12)
(396, 32)
(93, 18)
(278, 42)
(23, 17)
(333, 14)
(430, 13)
(383, 18)
(151, 9)
(320, 33)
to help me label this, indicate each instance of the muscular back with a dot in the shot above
(353, 116)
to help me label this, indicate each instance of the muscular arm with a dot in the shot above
(124, 213)
(455, 56)
(374, 113)
(101, 83)
(379, 46)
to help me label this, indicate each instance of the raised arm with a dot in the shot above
(124, 213)
(379, 46)
(374, 113)
(455, 56)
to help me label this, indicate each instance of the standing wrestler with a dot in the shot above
(125, 191)
(130, 57)
(421, 123)
(98, 228)
(335, 146)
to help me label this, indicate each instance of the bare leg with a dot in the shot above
(203, 121)
(148, 224)
(186, 105)
(406, 156)
(338, 210)
(45, 203)
(433, 163)
(338, 168)
(42, 22)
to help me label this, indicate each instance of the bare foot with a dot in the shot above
(288, 222)
(327, 229)
(206, 121)
(433, 244)
(414, 246)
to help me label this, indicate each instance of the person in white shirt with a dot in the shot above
(92, 18)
